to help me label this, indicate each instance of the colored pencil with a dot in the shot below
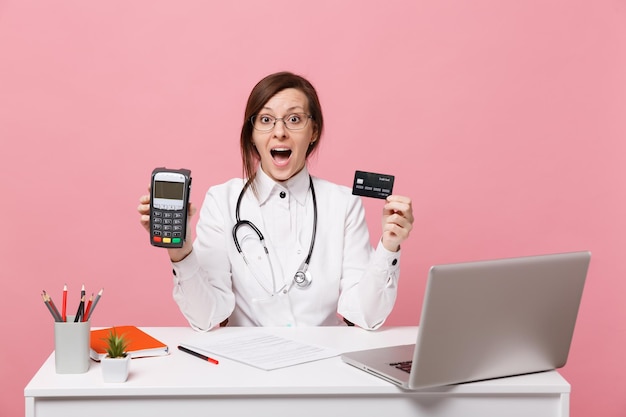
(88, 308)
(64, 307)
(82, 297)
(57, 315)
(45, 300)
(79, 311)
(95, 302)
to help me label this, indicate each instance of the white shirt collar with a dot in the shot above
(298, 186)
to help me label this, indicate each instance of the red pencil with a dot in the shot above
(86, 315)
(64, 307)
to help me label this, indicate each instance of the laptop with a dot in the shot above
(487, 319)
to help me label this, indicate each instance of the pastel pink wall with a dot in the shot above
(504, 120)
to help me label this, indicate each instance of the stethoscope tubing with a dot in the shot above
(302, 278)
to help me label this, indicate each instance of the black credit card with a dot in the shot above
(370, 184)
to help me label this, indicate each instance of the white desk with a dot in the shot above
(182, 385)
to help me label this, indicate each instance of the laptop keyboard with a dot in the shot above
(403, 366)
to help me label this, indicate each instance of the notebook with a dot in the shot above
(487, 319)
(140, 343)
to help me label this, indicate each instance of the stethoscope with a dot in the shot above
(302, 278)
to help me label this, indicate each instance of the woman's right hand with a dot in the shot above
(176, 254)
(144, 211)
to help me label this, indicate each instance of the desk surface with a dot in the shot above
(179, 375)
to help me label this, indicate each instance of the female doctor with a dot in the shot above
(284, 248)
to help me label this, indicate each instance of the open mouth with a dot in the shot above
(280, 155)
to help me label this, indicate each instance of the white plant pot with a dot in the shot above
(115, 369)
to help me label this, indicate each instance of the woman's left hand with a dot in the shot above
(397, 221)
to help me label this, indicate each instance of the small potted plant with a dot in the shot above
(116, 364)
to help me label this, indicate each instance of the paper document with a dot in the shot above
(261, 350)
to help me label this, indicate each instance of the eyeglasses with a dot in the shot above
(265, 122)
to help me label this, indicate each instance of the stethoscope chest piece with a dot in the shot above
(302, 279)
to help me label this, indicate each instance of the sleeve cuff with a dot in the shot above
(386, 259)
(185, 268)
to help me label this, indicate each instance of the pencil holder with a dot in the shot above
(71, 346)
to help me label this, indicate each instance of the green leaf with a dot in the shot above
(116, 345)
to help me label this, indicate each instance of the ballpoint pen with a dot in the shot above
(198, 355)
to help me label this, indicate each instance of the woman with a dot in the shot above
(308, 275)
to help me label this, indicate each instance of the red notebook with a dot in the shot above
(140, 343)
